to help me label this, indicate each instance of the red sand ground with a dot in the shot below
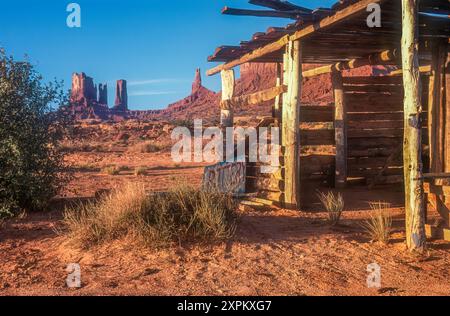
(273, 253)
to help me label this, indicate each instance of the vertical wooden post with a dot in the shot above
(447, 111)
(436, 108)
(290, 124)
(277, 104)
(412, 143)
(226, 115)
(340, 129)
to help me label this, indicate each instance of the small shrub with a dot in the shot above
(140, 171)
(146, 147)
(378, 226)
(111, 170)
(182, 214)
(334, 204)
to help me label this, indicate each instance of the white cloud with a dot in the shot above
(154, 81)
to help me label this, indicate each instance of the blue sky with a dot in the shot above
(154, 44)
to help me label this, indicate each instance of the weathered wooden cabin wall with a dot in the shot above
(317, 156)
(375, 128)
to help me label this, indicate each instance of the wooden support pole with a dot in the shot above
(226, 115)
(290, 122)
(276, 112)
(340, 130)
(436, 107)
(412, 144)
(447, 112)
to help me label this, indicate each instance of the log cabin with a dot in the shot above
(384, 129)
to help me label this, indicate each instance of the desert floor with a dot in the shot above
(279, 252)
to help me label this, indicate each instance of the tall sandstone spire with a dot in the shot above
(197, 84)
(103, 94)
(121, 102)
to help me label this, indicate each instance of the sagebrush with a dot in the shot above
(180, 215)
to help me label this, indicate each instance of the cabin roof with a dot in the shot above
(346, 35)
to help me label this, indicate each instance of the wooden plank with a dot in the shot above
(226, 115)
(392, 179)
(317, 137)
(435, 109)
(412, 143)
(290, 123)
(279, 5)
(443, 175)
(371, 162)
(319, 113)
(370, 152)
(295, 15)
(375, 124)
(422, 69)
(371, 172)
(371, 104)
(256, 98)
(393, 89)
(362, 117)
(315, 126)
(340, 130)
(384, 80)
(326, 22)
(379, 142)
(375, 133)
(447, 114)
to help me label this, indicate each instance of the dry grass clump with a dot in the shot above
(182, 214)
(334, 204)
(140, 171)
(379, 225)
(114, 170)
(146, 147)
(71, 147)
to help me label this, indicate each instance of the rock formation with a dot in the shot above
(121, 103)
(83, 89)
(203, 103)
(103, 94)
(197, 84)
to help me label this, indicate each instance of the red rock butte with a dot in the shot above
(202, 103)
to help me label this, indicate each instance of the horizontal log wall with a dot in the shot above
(317, 153)
(375, 128)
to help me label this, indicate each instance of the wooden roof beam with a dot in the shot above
(326, 22)
(372, 59)
(294, 15)
(279, 5)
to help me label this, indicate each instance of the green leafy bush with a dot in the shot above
(30, 162)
